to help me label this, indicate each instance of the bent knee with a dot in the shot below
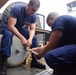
(35, 37)
(7, 32)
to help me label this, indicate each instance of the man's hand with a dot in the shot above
(36, 51)
(29, 42)
(24, 42)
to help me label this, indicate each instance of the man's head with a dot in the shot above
(32, 7)
(51, 17)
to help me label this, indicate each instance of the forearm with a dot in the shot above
(31, 34)
(45, 49)
(53, 42)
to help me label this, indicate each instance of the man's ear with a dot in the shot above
(52, 18)
(28, 5)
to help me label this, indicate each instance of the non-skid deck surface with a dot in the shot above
(25, 71)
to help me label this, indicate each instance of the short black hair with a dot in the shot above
(50, 15)
(34, 2)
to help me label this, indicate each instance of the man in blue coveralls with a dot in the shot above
(60, 52)
(20, 15)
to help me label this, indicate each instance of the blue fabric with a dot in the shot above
(68, 26)
(63, 58)
(6, 42)
(18, 12)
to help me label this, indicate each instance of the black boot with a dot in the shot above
(3, 65)
(36, 64)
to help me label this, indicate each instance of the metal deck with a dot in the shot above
(25, 71)
(22, 71)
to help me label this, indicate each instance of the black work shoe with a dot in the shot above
(36, 64)
(3, 65)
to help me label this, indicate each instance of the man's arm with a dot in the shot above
(31, 34)
(32, 30)
(11, 26)
(53, 42)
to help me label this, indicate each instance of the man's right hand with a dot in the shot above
(24, 42)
